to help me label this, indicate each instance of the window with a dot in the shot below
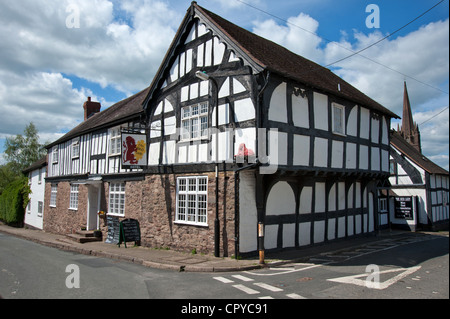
(40, 176)
(76, 148)
(392, 167)
(55, 154)
(117, 199)
(40, 208)
(73, 203)
(338, 119)
(114, 142)
(55, 161)
(194, 121)
(53, 193)
(29, 207)
(383, 205)
(192, 200)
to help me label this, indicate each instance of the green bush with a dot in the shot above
(13, 201)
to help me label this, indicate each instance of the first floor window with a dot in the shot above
(117, 199)
(73, 204)
(115, 141)
(53, 195)
(338, 119)
(192, 199)
(76, 148)
(194, 121)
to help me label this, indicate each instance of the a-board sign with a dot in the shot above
(129, 231)
(403, 207)
(113, 230)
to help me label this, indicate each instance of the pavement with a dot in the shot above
(183, 261)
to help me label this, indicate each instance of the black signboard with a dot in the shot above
(129, 231)
(403, 207)
(113, 230)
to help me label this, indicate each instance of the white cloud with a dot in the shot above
(118, 44)
(422, 54)
(293, 35)
(46, 99)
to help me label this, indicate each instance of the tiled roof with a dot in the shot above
(278, 59)
(115, 114)
(414, 155)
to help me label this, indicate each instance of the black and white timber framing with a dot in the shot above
(321, 147)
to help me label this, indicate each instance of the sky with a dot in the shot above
(56, 53)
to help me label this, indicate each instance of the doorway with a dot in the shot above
(93, 206)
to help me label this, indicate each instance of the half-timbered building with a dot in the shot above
(242, 135)
(418, 196)
(83, 166)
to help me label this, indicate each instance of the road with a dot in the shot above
(413, 268)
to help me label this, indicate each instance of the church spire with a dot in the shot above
(409, 130)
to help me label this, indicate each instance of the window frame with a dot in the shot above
(73, 199)
(55, 154)
(115, 141)
(335, 106)
(192, 201)
(53, 194)
(198, 113)
(383, 205)
(76, 148)
(40, 208)
(116, 208)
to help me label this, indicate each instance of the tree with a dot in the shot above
(23, 150)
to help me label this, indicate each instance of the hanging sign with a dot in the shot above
(134, 150)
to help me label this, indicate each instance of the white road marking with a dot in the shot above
(243, 278)
(283, 272)
(295, 296)
(376, 285)
(268, 287)
(223, 279)
(247, 290)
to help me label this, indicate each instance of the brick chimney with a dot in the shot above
(90, 108)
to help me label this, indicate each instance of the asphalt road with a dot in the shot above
(415, 268)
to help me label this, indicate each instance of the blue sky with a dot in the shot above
(47, 70)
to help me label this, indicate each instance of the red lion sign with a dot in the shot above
(133, 149)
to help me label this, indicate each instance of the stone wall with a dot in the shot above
(152, 202)
(60, 219)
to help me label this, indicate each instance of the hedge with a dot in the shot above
(13, 201)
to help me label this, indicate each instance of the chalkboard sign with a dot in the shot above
(403, 207)
(113, 230)
(130, 231)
